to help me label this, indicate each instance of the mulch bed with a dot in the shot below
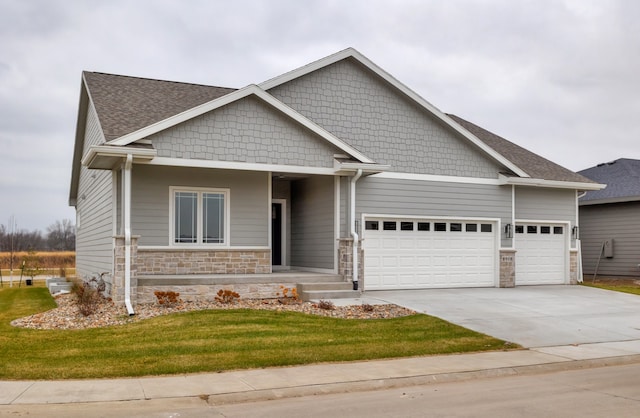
(68, 316)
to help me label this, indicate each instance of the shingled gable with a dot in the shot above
(351, 53)
(251, 90)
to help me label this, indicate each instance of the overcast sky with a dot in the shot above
(560, 78)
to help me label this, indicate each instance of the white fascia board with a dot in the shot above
(120, 152)
(232, 165)
(518, 181)
(367, 168)
(437, 178)
(230, 98)
(351, 52)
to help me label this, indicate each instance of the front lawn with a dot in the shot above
(214, 340)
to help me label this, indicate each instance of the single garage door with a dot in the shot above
(540, 253)
(419, 254)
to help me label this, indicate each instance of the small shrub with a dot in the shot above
(326, 304)
(227, 296)
(87, 295)
(367, 308)
(288, 295)
(167, 298)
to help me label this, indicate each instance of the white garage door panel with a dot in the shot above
(541, 254)
(414, 259)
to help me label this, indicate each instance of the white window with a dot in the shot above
(199, 216)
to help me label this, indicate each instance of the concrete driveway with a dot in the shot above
(532, 316)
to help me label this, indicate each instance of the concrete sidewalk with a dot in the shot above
(275, 383)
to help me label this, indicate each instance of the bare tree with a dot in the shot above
(61, 236)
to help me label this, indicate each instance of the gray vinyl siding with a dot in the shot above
(617, 221)
(248, 194)
(247, 131)
(546, 204)
(425, 198)
(360, 108)
(94, 239)
(312, 223)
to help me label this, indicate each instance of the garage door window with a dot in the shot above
(519, 229)
(371, 225)
(532, 229)
(486, 228)
(389, 226)
(455, 227)
(471, 227)
(424, 226)
(406, 226)
(558, 230)
(545, 229)
(440, 226)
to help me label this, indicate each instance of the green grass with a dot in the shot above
(211, 341)
(618, 287)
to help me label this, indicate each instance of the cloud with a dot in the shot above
(558, 77)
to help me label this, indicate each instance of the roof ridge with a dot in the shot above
(158, 79)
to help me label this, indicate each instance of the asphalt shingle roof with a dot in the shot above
(621, 176)
(126, 104)
(534, 165)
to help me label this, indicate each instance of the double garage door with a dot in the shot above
(419, 253)
(422, 253)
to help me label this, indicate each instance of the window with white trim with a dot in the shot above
(200, 216)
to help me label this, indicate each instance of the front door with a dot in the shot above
(276, 234)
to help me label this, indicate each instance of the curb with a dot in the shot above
(398, 382)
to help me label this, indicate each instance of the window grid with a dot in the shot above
(200, 217)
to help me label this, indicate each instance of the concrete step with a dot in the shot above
(341, 285)
(308, 295)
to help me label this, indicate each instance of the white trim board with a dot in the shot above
(233, 165)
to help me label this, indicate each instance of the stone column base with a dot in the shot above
(507, 268)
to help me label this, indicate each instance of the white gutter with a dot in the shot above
(354, 234)
(519, 181)
(127, 233)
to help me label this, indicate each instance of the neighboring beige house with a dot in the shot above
(335, 171)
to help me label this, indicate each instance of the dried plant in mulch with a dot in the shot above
(167, 298)
(88, 295)
(367, 308)
(326, 305)
(227, 296)
(289, 295)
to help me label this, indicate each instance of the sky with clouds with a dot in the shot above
(558, 77)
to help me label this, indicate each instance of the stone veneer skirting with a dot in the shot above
(573, 266)
(190, 293)
(507, 268)
(218, 261)
(345, 260)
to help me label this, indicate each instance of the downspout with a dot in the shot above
(354, 234)
(580, 273)
(127, 233)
